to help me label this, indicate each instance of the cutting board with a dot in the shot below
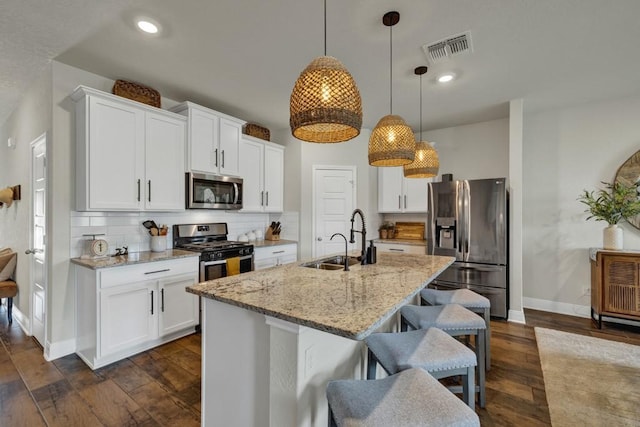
(410, 230)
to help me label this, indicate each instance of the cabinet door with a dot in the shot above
(251, 171)
(228, 159)
(164, 166)
(273, 179)
(128, 316)
(115, 154)
(390, 189)
(203, 142)
(178, 309)
(415, 195)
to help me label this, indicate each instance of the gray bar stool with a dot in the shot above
(409, 398)
(431, 349)
(468, 299)
(455, 320)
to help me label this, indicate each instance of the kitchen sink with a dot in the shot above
(335, 262)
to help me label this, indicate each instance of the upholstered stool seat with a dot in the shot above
(409, 398)
(468, 299)
(455, 320)
(8, 288)
(430, 349)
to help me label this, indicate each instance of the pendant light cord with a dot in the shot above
(390, 69)
(420, 107)
(325, 27)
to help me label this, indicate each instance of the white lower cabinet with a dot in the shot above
(271, 256)
(401, 248)
(121, 311)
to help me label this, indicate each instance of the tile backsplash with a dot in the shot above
(125, 228)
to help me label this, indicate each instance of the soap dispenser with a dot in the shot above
(371, 253)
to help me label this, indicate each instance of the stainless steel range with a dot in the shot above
(210, 240)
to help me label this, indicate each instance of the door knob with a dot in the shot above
(32, 251)
(319, 239)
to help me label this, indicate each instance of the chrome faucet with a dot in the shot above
(363, 232)
(346, 250)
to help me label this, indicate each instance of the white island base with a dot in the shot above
(262, 371)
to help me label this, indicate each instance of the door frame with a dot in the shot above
(42, 139)
(316, 168)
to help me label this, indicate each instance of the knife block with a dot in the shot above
(270, 236)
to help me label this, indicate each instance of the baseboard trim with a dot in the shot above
(21, 319)
(557, 307)
(516, 316)
(59, 349)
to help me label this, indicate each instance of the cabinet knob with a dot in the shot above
(319, 239)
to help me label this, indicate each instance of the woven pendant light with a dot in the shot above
(426, 162)
(325, 104)
(392, 142)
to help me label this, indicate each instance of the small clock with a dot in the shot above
(99, 247)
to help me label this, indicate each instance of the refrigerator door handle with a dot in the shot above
(459, 219)
(433, 219)
(467, 228)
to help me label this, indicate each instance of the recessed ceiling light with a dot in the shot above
(147, 26)
(445, 78)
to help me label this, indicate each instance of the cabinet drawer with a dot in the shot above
(275, 251)
(400, 248)
(148, 271)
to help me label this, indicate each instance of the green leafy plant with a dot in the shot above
(612, 204)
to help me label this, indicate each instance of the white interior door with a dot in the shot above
(38, 238)
(334, 190)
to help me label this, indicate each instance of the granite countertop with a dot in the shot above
(132, 258)
(270, 243)
(412, 242)
(351, 303)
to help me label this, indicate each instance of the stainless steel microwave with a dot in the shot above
(213, 191)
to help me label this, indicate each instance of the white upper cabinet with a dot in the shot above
(262, 172)
(399, 194)
(213, 144)
(129, 156)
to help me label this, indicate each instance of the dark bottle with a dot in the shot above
(371, 253)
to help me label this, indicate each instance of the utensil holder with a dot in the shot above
(270, 236)
(158, 243)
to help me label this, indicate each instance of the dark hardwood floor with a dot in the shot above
(161, 387)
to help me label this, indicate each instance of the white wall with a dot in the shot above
(31, 119)
(566, 151)
(474, 151)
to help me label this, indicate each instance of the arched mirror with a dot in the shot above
(629, 174)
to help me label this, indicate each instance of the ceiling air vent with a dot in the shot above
(446, 48)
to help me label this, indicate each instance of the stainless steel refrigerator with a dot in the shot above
(468, 219)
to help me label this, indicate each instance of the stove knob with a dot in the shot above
(218, 255)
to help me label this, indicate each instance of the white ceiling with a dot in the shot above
(242, 57)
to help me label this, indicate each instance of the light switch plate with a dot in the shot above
(11, 143)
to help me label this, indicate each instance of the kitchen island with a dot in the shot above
(273, 338)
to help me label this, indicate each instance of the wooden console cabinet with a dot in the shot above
(615, 285)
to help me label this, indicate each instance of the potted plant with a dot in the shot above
(615, 203)
(386, 230)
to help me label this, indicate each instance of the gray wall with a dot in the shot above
(30, 120)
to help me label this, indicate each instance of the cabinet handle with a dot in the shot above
(162, 300)
(399, 198)
(158, 271)
(277, 252)
(262, 198)
(405, 201)
(152, 303)
(149, 190)
(138, 190)
(396, 250)
(222, 158)
(216, 157)
(267, 198)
